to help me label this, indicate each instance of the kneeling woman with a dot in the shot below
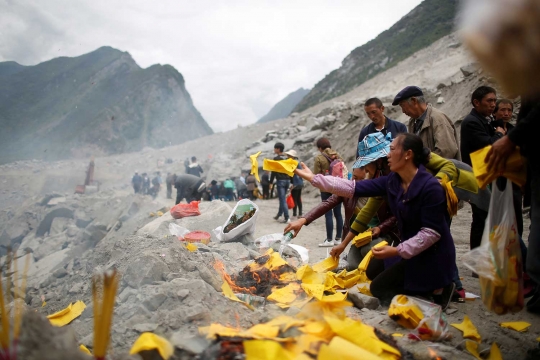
(424, 261)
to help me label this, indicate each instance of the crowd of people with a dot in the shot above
(395, 189)
(142, 184)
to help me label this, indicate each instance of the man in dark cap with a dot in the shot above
(433, 126)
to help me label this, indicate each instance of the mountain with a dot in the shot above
(283, 108)
(94, 104)
(425, 24)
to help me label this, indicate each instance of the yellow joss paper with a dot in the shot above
(494, 353)
(262, 331)
(468, 328)
(327, 264)
(364, 289)
(365, 262)
(451, 198)
(265, 350)
(255, 165)
(191, 247)
(515, 170)
(285, 295)
(405, 312)
(229, 294)
(342, 349)
(218, 329)
(472, 348)
(397, 335)
(148, 341)
(67, 315)
(520, 326)
(306, 274)
(85, 350)
(337, 297)
(315, 290)
(362, 238)
(281, 166)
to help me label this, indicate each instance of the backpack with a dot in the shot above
(337, 168)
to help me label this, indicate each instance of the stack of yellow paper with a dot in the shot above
(281, 166)
(515, 169)
(451, 198)
(405, 312)
(362, 238)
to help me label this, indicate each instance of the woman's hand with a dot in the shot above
(375, 232)
(384, 252)
(295, 226)
(305, 173)
(337, 250)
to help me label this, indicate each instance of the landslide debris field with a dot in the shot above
(167, 289)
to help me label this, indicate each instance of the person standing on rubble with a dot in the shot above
(374, 110)
(424, 262)
(136, 181)
(189, 187)
(169, 181)
(145, 184)
(283, 182)
(194, 168)
(435, 129)
(322, 167)
(265, 182)
(251, 185)
(229, 187)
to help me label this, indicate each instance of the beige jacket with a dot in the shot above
(438, 134)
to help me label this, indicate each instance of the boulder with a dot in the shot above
(82, 219)
(468, 70)
(362, 301)
(308, 137)
(58, 225)
(44, 226)
(192, 344)
(94, 233)
(145, 269)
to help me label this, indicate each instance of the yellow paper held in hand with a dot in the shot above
(362, 239)
(255, 165)
(281, 166)
(365, 262)
(327, 264)
(67, 315)
(515, 170)
(149, 341)
(468, 328)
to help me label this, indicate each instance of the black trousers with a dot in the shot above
(386, 283)
(297, 197)
(479, 217)
(266, 191)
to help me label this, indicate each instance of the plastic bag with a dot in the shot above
(497, 260)
(184, 210)
(427, 319)
(267, 241)
(247, 227)
(178, 231)
(290, 202)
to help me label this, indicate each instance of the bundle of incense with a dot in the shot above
(103, 311)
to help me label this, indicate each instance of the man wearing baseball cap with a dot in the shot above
(435, 129)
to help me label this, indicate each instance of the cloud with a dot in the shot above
(238, 57)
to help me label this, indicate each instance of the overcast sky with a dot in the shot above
(238, 57)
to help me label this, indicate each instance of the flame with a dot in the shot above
(220, 268)
(433, 354)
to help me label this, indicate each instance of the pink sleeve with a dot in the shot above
(334, 185)
(418, 243)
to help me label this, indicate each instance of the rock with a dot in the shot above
(126, 293)
(152, 301)
(468, 70)
(440, 100)
(45, 200)
(82, 219)
(209, 277)
(58, 225)
(145, 327)
(16, 233)
(192, 344)
(182, 294)
(235, 251)
(45, 224)
(55, 201)
(308, 137)
(145, 270)
(51, 245)
(94, 233)
(450, 311)
(292, 311)
(197, 312)
(60, 273)
(77, 288)
(362, 301)
(72, 230)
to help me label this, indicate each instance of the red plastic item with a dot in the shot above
(198, 237)
(184, 210)
(290, 202)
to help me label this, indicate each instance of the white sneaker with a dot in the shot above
(337, 241)
(327, 243)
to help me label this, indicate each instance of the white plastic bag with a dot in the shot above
(302, 251)
(245, 228)
(267, 241)
(497, 260)
(178, 230)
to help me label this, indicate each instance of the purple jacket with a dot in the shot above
(348, 203)
(423, 206)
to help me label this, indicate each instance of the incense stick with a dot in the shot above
(18, 315)
(4, 336)
(103, 312)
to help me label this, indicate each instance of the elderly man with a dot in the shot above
(433, 126)
(379, 122)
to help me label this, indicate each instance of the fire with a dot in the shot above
(265, 274)
(433, 354)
